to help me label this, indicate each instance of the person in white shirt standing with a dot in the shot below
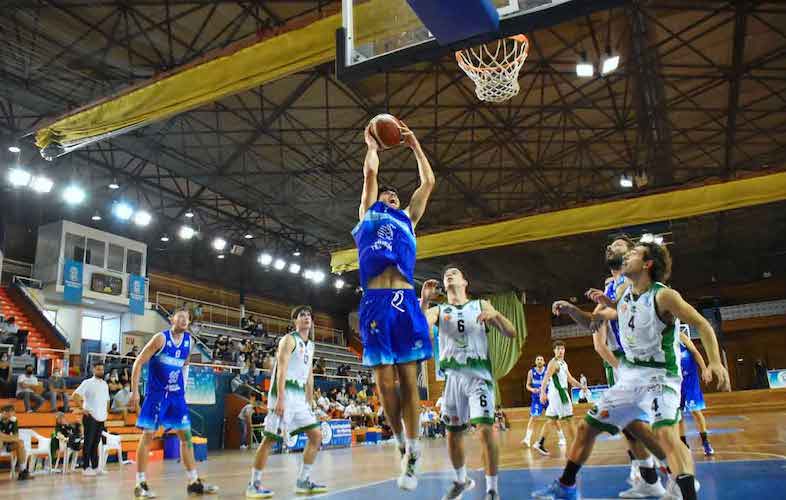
(93, 393)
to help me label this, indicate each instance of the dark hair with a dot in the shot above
(299, 309)
(558, 343)
(661, 261)
(7, 408)
(28, 366)
(11, 320)
(386, 189)
(455, 266)
(624, 237)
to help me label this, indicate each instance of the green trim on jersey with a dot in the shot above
(272, 436)
(305, 428)
(563, 394)
(667, 344)
(289, 385)
(601, 426)
(482, 420)
(668, 423)
(609, 374)
(472, 363)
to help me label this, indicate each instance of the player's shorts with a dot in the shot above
(691, 397)
(297, 418)
(556, 409)
(393, 328)
(164, 409)
(536, 408)
(467, 399)
(644, 394)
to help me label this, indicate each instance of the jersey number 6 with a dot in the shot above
(460, 325)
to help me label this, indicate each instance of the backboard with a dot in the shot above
(378, 35)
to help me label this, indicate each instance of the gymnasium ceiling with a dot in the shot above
(700, 94)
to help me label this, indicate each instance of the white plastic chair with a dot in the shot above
(11, 454)
(113, 442)
(41, 451)
(65, 456)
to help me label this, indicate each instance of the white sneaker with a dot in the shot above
(243, 447)
(642, 489)
(672, 491)
(634, 476)
(89, 472)
(527, 440)
(408, 479)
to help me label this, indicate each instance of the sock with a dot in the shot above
(140, 477)
(256, 475)
(568, 477)
(703, 437)
(491, 483)
(461, 474)
(305, 471)
(687, 486)
(561, 434)
(528, 435)
(413, 446)
(193, 475)
(649, 474)
(400, 441)
(684, 441)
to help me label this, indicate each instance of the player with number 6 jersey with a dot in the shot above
(468, 397)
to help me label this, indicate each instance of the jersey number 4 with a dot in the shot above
(631, 325)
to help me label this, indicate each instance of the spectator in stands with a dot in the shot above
(6, 385)
(322, 401)
(57, 387)
(251, 325)
(113, 352)
(241, 384)
(9, 438)
(94, 396)
(113, 381)
(198, 312)
(245, 418)
(131, 355)
(352, 412)
(9, 332)
(362, 395)
(121, 402)
(70, 434)
(29, 388)
(319, 367)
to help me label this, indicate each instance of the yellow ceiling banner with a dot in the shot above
(215, 78)
(603, 216)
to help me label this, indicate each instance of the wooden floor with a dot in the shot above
(758, 436)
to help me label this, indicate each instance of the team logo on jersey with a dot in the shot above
(373, 327)
(385, 232)
(448, 309)
(185, 344)
(169, 343)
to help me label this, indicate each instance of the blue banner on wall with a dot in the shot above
(136, 294)
(72, 281)
(335, 434)
(593, 393)
(777, 378)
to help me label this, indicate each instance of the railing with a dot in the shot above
(219, 315)
(20, 281)
(15, 268)
(43, 352)
(200, 420)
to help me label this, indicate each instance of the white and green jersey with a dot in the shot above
(558, 388)
(647, 340)
(298, 370)
(463, 343)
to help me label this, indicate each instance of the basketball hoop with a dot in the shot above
(495, 70)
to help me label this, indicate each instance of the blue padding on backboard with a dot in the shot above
(455, 20)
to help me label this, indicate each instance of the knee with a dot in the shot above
(485, 433)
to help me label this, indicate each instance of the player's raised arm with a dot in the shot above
(497, 319)
(417, 205)
(370, 173)
(670, 301)
(151, 348)
(601, 347)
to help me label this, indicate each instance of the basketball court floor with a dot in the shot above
(750, 462)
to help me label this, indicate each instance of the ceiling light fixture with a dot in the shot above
(248, 236)
(142, 218)
(186, 232)
(265, 259)
(41, 184)
(19, 177)
(114, 184)
(96, 216)
(626, 181)
(123, 211)
(294, 268)
(584, 68)
(339, 283)
(189, 214)
(609, 63)
(14, 149)
(279, 264)
(74, 195)
(219, 244)
(164, 238)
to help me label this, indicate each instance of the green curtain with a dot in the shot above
(503, 351)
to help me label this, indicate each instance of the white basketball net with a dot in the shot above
(495, 68)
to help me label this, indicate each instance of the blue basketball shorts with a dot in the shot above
(536, 408)
(164, 409)
(393, 329)
(691, 397)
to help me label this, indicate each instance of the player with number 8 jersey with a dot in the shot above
(468, 397)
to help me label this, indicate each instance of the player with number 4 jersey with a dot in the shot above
(464, 357)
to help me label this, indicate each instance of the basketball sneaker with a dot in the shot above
(255, 490)
(308, 487)
(642, 489)
(458, 489)
(557, 490)
(408, 479)
(708, 451)
(635, 475)
(673, 491)
(527, 440)
(143, 491)
(540, 448)
(23, 475)
(491, 495)
(200, 488)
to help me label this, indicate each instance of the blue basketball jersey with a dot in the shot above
(611, 292)
(385, 238)
(688, 364)
(165, 370)
(537, 378)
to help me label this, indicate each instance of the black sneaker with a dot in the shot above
(541, 449)
(200, 488)
(141, 490)
(24, 475)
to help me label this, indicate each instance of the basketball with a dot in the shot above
(386, 130)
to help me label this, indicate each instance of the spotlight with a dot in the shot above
(279, 264)
(142, 218)
(219, 244)
(123, 211)
(114, 184)
(186, 232)
(339, 283)
(96, 216)
(626, 181)
(189, 214)
(74, 195)
(609, 63)
(318, 277)
(294, 268)
(248, 236)
(19, 177)
(14, 149)
(41, 184)
(584, 68)
(308, 274)
(296, 253)
(265, 259)
(221, 256)
(164, 238)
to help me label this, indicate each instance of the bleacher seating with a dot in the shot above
(35, 338)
